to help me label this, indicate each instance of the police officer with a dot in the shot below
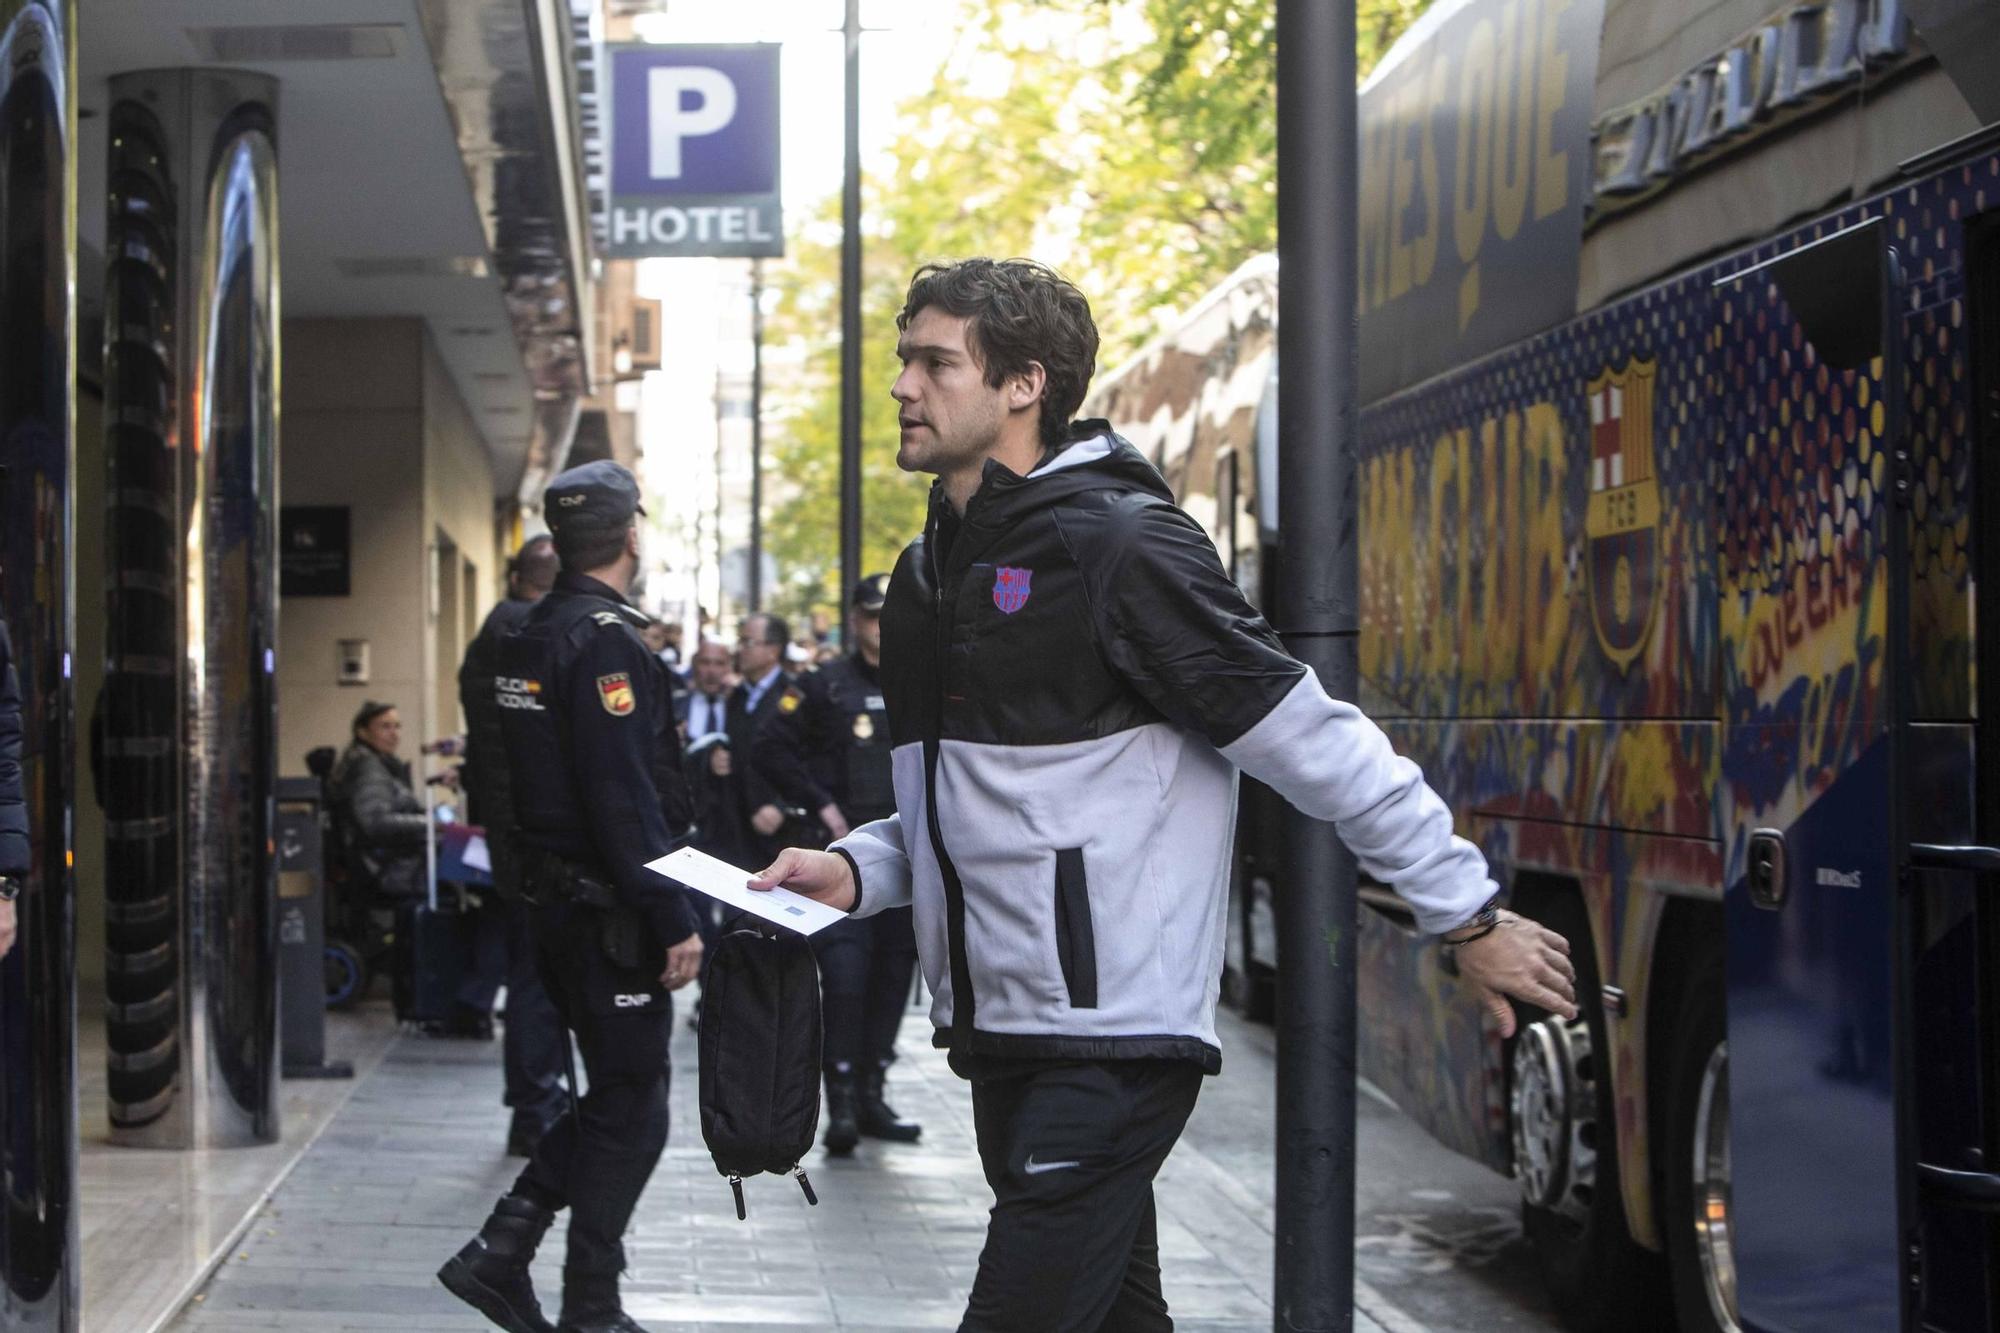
(532, 1049)
(585, 712)
(826, 749)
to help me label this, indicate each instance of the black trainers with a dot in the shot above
(842, 1130)
(878, 1119)
(491, 1273)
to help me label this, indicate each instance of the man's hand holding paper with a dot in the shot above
(820, 876)
(799, 903)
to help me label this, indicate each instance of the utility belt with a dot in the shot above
(548, 878)
(622, 932)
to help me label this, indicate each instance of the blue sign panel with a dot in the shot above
(694, 151)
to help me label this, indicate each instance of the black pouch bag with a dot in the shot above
(760, 1056)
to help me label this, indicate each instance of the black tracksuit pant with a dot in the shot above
(865, 968)
(596, 1162)
(1071, 1150)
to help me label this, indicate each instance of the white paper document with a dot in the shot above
(728, 884)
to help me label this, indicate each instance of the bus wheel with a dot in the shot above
(1695, 1202)
(1566, 1159)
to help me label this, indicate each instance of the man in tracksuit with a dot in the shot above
(1073, 683)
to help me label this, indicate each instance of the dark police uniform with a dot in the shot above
(827, 741)
(599, 792)
(531, 1051)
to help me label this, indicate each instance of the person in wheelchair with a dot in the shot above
(371, 792)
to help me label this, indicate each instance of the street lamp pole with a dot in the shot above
(1318, 618)
(850, 317)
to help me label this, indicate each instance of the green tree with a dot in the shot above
(1130, 142)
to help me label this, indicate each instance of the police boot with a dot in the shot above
(877, 1118)
(491, 1273)
(842, 1131)
(591, 1305)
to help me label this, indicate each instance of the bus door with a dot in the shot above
(1954, 769)
(1806, 1216)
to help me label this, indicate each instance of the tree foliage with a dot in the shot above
(1132, 143)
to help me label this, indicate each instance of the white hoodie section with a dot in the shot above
(878, 854)
(1329, 760)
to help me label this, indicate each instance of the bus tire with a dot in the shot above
(1694, 1169)
(1599, 1279)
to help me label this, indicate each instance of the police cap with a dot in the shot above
(596, 495)
(870, 593)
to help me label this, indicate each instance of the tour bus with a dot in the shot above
(1680, 348)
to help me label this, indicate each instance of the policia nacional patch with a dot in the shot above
(615, 693)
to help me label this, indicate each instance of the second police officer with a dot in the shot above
(589, 730)
(825, 748)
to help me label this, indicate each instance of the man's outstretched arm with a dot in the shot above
(1175, 625)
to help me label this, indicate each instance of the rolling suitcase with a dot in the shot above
(433, 951)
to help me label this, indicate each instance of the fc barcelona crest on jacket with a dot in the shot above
(615, 693)
(1010, 588)
(1622, 522)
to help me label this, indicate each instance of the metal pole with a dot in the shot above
(850, 318)
(756, 436)
(1317, 417)
(715, 514)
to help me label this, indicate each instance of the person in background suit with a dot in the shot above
(532, 1039)
(703, 715)
(704, 709)
(767, 688)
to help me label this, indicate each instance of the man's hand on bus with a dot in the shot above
(821, 876)
(1524, 960)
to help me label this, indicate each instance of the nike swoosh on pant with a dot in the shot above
(1034, 1168)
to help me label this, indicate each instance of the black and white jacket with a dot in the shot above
(1073, 683)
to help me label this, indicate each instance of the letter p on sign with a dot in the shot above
(686, 101)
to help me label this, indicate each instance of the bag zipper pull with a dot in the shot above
(806, 1185)
(736, 1187)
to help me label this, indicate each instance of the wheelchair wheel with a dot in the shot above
(346, 975)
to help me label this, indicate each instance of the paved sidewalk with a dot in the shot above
(411, 1164)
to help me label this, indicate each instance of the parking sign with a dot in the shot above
(694, 151)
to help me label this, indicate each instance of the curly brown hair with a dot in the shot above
(1021, 313)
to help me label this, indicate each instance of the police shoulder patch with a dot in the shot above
(608, 618)
(615, 693)
(790, 700)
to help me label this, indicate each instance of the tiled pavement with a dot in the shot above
(406, 1170)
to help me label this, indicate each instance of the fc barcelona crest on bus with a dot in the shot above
(1622, 523)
